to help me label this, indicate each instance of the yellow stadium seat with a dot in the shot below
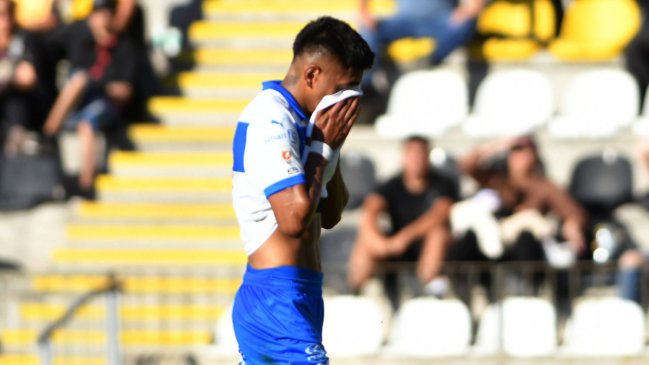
(29, 12)
(511, 22)
(410, 49)
(596, 30)
(144, 211)
(514, 20)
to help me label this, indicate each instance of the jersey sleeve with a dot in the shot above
(272, 157)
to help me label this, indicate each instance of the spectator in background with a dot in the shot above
(100, 86)
(450, 23)
(509, 213)
(18, 80)
(417, 201)
(637, 53)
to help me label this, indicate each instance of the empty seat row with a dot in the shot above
(595, 103)
(518, 327)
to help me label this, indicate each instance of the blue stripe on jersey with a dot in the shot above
(277, 86)
(301, 131)
(283, 184)
(239, 146)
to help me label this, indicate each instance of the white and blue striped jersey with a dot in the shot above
(268, 144)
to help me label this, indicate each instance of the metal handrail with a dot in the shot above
(111, 289)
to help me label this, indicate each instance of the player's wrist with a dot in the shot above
(323, 149)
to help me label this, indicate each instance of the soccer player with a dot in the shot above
(281, 168)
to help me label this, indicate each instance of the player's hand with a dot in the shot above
(333, 125)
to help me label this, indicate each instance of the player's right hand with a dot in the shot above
(333, 124)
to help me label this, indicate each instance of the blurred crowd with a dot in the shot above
(516, 215)
(80, 67)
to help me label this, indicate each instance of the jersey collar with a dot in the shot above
(277, 86)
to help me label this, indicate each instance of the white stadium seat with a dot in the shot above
(225, 342)
(641, 125)
(424, 102)
(510, 102)
(430, 327)
(353, 326)
(596, 104)
(605, 327)
(528, 328)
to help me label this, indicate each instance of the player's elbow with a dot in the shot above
(295, 223)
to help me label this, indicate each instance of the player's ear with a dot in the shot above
(311, 74)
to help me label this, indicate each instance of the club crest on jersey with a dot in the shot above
(287, 156)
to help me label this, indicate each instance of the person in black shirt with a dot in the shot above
(18, 80)
(100, 85)
(418, 201)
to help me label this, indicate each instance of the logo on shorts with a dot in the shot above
(316, 353)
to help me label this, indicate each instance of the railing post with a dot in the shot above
(112, 327)
(45, 351)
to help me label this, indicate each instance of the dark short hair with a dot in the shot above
(417, 138)
(104, 4)
(338, 39)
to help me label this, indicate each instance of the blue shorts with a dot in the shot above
(278, 315)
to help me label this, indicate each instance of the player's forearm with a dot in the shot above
(332, 207)
(314, 173)
(436, 216)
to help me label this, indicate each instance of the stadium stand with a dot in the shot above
(424, 102)
(503, 108)
(163, 224)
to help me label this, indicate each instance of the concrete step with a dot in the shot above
(113, 212)
(175, 285)
(164, 190)
(227, 59)
(33, 312)
(244, 34)
(188, 138)
(215, 84)
(33, 359)
(151, 258)
(168, 164)
(205, 111)
(25, 338)
(156, 235)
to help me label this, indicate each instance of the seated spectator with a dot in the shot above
(18, 80)
(509, 214)
(450, 24)
(417, 201)
(100, 85)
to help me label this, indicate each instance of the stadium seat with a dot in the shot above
(605, 327)
(410, 49)
(424, 102)
(602, 182)
(225, 342)
(504, 107)
(359, 173)
(641, 126)
(353, 326)
(596, 30)
(509, 30)
(430, 327)
(596, 104)
(528, 328)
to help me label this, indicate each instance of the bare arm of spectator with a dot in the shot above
(24, 76)
(570, 213)
(119, 91)
(473, 162)
(67, 99)
(123, 14)
(436, 216)
(370, 235)
(367, 19)
(467, 10)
